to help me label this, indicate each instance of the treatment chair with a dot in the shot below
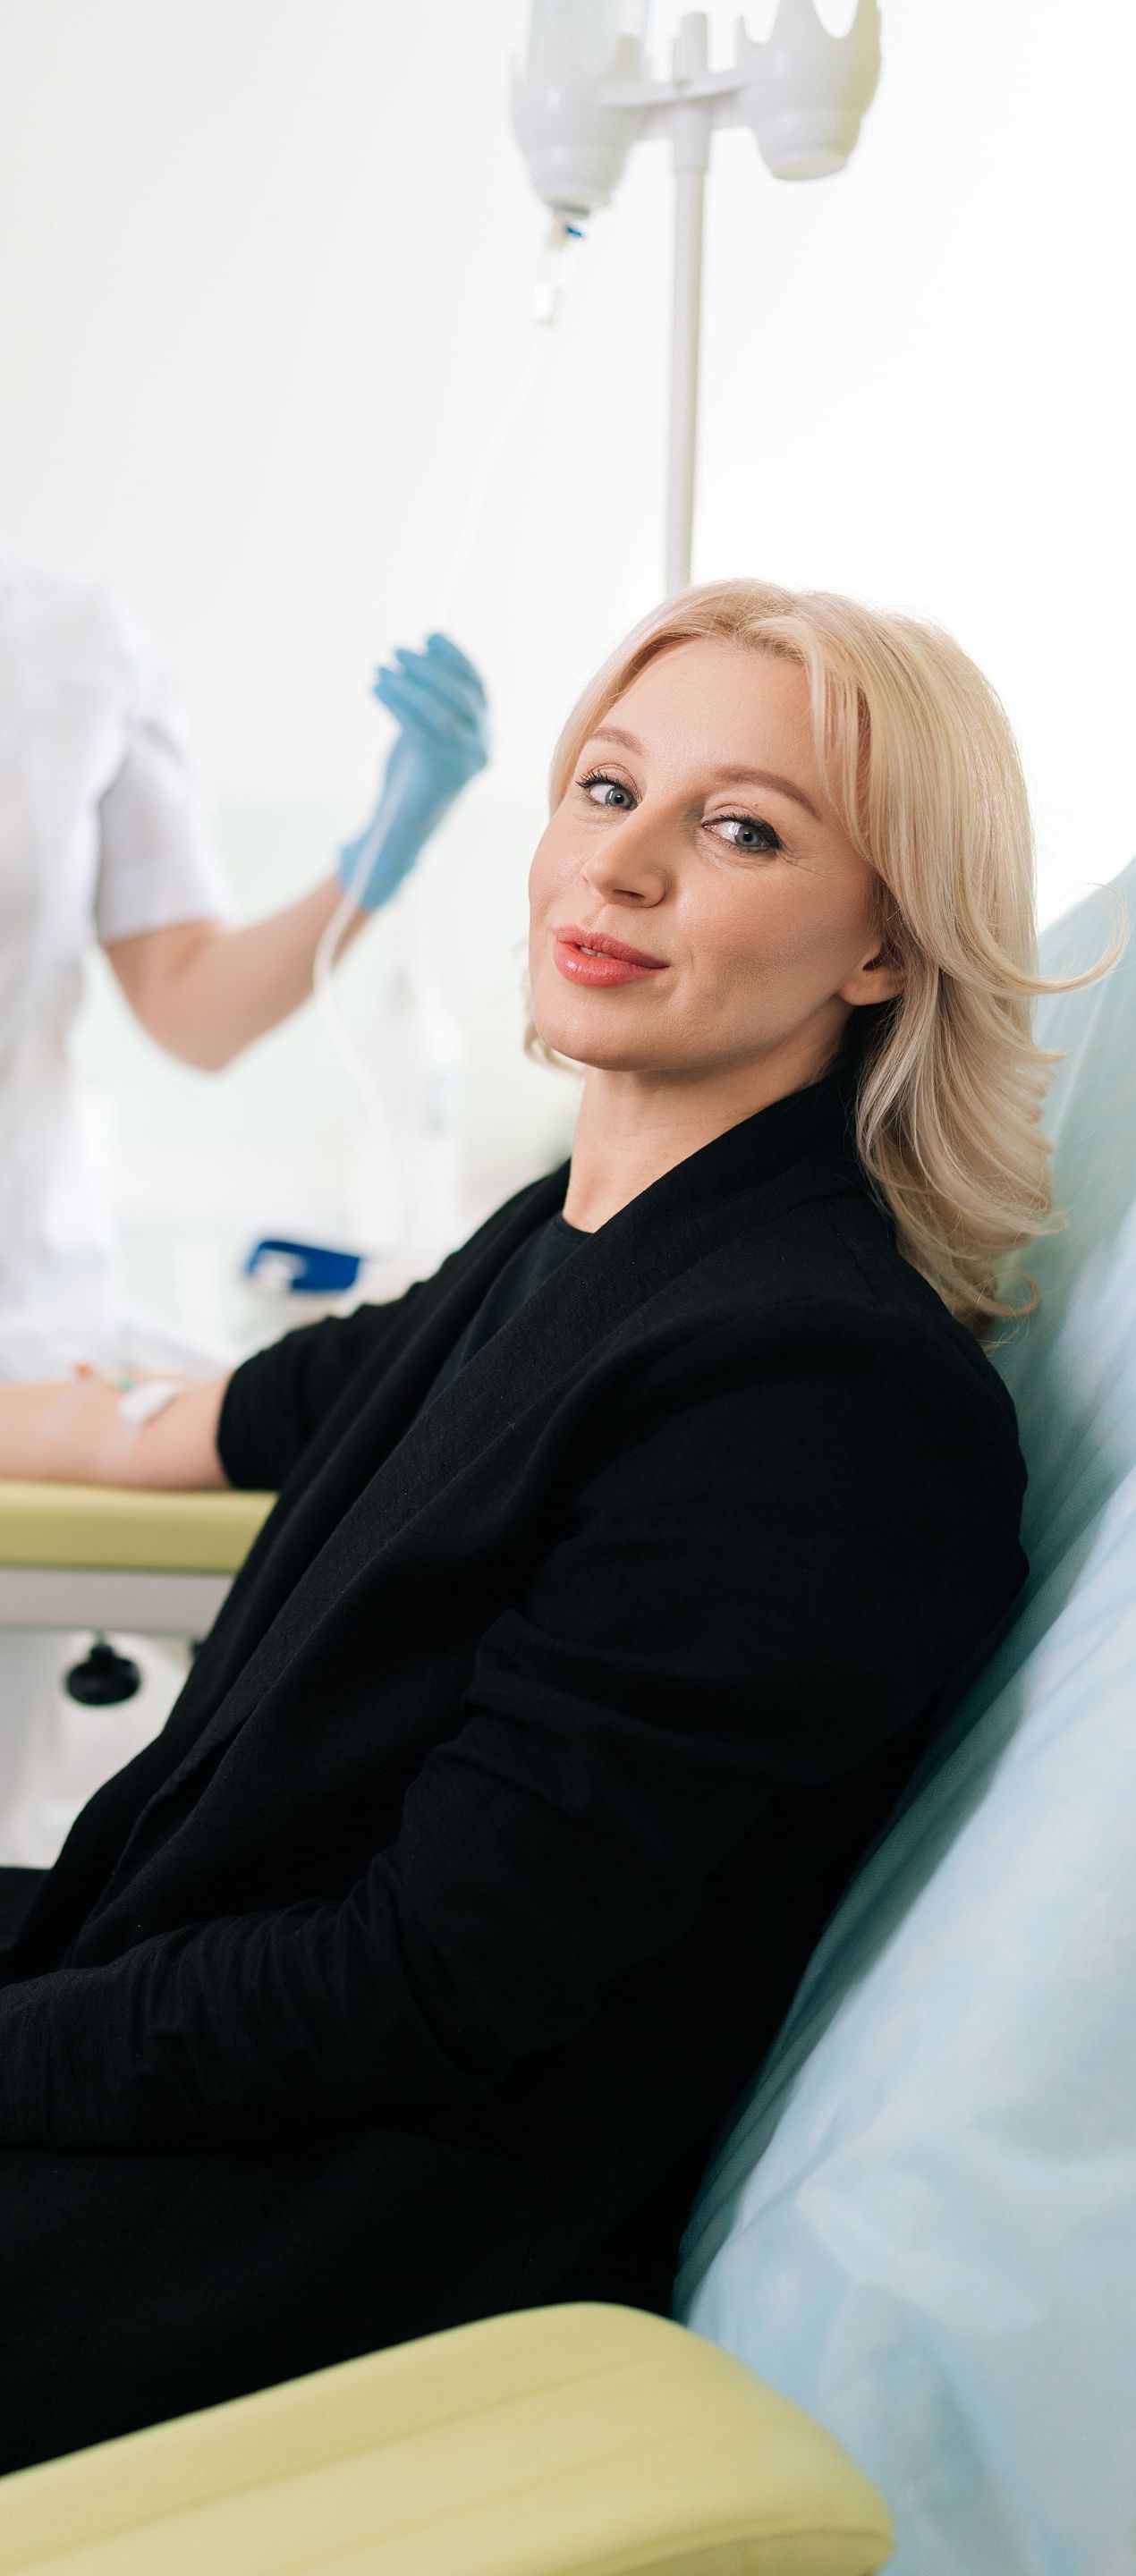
(920, 2224)
(912, 2259)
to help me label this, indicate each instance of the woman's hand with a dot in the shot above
(441, 703)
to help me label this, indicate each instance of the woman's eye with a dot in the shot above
(769, 841)
(597, 779)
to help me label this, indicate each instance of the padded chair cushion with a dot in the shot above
(128, 1526)
(921, 2221)
(580, 2440)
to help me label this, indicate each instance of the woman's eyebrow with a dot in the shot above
(753, 777)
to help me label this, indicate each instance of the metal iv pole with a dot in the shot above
(584, 99)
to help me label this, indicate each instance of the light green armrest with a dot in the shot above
(118, 1525)
(582, 2440)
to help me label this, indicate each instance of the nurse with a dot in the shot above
(104, 838)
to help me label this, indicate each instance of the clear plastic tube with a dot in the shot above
(556, 262)
(327, 947)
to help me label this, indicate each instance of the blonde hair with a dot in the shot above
(921, 765)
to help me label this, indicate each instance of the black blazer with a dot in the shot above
(407, 1976)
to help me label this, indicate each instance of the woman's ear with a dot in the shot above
(887, 980)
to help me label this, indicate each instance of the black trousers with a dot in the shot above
(139, 2286)
(135, 2287)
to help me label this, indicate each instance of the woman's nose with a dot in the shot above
(631, 857)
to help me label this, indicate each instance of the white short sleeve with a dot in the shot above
(158, 861)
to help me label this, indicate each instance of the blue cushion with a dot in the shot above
(920, 2221)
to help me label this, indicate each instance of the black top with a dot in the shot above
(408, 1974)
(535, 1259)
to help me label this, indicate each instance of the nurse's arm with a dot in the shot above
(205, 989)
(72, 1431)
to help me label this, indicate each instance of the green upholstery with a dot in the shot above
(581, 2440)
(127, 1527)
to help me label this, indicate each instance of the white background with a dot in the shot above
(265, 279)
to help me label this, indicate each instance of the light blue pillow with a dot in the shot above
(920, 2222)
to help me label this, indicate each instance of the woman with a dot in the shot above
(104, 839)
(620, 1576)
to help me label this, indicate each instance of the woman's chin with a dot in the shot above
(584, 1048)
(561, 1039)
(576, 1024)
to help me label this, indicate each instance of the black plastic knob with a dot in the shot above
(104, 1677)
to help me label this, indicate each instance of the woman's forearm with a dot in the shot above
(205, 990)
(73, 1432)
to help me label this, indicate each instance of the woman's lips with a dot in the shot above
(578, 968)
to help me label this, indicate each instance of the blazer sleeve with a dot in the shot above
(779, 1555)
(277, 1400)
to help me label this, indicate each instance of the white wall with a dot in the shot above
(264, 284)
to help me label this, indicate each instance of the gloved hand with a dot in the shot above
(442, 706)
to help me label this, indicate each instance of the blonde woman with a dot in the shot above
(621, 1573)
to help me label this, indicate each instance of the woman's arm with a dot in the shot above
(205, 989)
(74, 1432)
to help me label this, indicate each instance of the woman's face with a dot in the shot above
(747, 890)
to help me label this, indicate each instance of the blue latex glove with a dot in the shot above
(441, 703)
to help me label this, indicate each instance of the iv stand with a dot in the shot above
(803, 91)
(691, 138)
(687, 108)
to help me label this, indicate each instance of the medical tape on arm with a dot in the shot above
(141, 1402)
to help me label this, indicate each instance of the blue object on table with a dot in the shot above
(302, 1269)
